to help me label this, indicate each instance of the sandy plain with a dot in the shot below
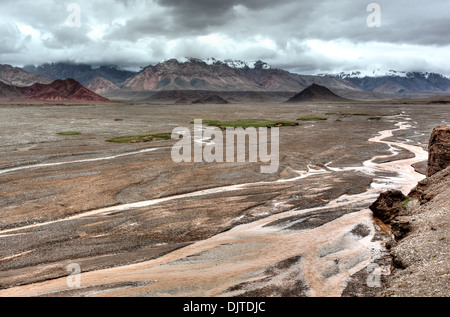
(139, 224)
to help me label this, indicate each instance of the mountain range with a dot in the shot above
(82, 73)
(196, 74)
(19, 77)
(395, 82)
(192, 74)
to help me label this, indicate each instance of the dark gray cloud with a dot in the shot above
(303, 36)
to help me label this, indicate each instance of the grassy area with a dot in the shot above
(118, 119)
(141, 138)
(407, 201)
(312, 118)
(69, 133)
(245, 123)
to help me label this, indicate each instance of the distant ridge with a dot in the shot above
(17, 76)
(213, 99)
(397, 82)
(197, 75)
(82, 73)
(317, 93)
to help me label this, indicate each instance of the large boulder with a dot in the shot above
(388, 205)
(439, 150)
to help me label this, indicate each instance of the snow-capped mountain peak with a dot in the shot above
(372, 73)
(232, 63)
(382, 73)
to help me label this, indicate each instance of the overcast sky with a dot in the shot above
(307, 37)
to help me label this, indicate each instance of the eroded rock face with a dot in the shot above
(388, 205)
(439, 150)
(430, 187)
(400, 228)
(420, 251)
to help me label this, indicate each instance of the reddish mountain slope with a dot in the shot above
(60, 90)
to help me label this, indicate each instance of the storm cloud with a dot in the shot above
(302, 36)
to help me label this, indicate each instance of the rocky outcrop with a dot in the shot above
(388, 205)
(438, 170)
(432, 186)
(439, 150)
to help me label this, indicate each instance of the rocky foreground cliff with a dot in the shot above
(420, 227)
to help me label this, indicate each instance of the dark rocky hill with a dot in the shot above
(317, 93)
(212, 99)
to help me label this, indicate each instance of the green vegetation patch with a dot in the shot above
(407, 201)
(245, 123)
(69, 133)
(141, 138)
(312, 119)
